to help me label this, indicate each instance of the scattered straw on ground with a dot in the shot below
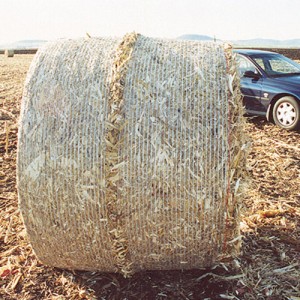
(268, 269)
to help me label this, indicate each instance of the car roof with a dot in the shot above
(253, 51)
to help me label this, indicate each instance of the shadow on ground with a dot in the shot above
(193, 284)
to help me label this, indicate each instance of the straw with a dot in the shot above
(132, 154)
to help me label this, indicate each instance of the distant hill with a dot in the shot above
(256, 43)
(195, 37)
(268, 43)
(294, 43)
(25, 44)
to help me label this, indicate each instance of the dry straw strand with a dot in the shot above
(238, 145)
(114, 144)
(131, 154)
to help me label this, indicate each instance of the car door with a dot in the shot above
(251, 87)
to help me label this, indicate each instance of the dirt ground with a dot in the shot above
(268, 268)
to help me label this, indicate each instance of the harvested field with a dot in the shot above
(292, 53)
(269, 267)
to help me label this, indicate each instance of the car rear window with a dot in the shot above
(282, 66)
(276, 64)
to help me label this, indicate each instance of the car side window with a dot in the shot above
(244, 65)
(260, 62)
(282, 66)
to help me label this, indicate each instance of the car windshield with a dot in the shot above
(276, 65)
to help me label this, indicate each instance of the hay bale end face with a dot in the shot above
(9, 53)
(131, 154)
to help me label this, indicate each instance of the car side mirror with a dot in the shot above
(251, 74)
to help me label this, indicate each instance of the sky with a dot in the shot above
(223, 19)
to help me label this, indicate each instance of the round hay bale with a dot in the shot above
(9, 53)
(130, 154)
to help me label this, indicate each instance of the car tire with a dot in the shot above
(286, 113)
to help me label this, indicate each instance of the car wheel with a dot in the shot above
(286, 113)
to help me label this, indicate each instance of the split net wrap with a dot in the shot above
(130, 154)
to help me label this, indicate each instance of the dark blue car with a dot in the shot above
(270, 84)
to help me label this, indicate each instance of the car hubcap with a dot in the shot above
(286, 114)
